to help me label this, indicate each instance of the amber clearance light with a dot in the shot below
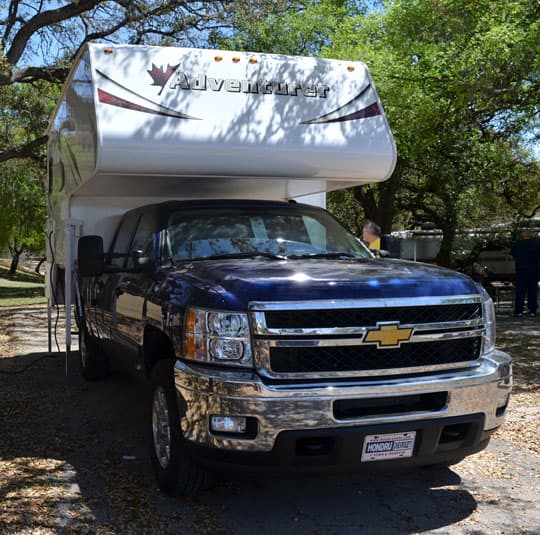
(190, 320)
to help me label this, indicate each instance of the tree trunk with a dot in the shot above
(40, 263)
(15, 252)
(387, 196)
(448, 228)
(15, 255)
(378, 201)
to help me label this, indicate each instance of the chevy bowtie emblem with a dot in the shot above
(388, 335)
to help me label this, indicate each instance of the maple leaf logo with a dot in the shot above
(160, 76)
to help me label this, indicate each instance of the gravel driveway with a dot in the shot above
(74, 460)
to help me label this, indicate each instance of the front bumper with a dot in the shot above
(281, 414)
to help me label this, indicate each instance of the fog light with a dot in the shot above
(506, 376)
(228, 424)
(502, 399)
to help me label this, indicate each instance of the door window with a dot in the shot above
(144, 239)
(118, 254)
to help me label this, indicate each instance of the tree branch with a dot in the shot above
(43, 19)
(533, 212)
(31, 74)
(11, 20)
(100, 35)
(24, 151)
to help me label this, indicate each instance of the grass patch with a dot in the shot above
(20, 276)
(23, 288)
(22, 301)
(11, 288)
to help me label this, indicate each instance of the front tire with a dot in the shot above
(175, 469)
(94, 364)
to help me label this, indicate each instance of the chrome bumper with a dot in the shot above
(293, 407)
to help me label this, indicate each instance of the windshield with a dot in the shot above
(270, 232)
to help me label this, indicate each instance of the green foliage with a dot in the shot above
(22, 209)
(295, 28)
(459, 82)
(24, 115)
(343, 205)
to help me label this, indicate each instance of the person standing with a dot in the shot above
(526, 253)
(371, 235)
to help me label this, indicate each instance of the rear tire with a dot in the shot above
(94, 364)
(175, 469)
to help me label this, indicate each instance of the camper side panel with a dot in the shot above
(72, 149)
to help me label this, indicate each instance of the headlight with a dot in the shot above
(217, 337)
(488, 315)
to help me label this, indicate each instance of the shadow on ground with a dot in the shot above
(521, 338)
(73, 458)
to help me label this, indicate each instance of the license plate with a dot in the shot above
(389, 446)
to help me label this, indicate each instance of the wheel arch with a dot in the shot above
(156, 346)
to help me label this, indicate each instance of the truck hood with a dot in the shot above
(242, 281)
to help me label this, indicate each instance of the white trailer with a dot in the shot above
(136, 123)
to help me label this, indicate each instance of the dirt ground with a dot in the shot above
(73, 459)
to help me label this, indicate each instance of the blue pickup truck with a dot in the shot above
(272, 339)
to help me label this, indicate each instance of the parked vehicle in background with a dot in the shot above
(498, 265)
(485, 253)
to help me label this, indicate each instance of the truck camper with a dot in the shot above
(267, 334)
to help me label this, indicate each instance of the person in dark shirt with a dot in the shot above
(526, 253)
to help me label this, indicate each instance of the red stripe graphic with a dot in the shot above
(113, 100)
(371, 111)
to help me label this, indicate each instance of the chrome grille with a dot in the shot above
(324, 339)
(367, 317)
(360, 358)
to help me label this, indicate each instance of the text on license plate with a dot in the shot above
(389, 446)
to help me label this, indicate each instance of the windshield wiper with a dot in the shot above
(337, 254)
(241, 255)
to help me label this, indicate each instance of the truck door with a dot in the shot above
(106, 285)
(131, 289)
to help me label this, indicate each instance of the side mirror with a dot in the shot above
(380, 253)
(90, 256)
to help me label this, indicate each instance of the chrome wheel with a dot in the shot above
(160, 427)
(177, 472)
